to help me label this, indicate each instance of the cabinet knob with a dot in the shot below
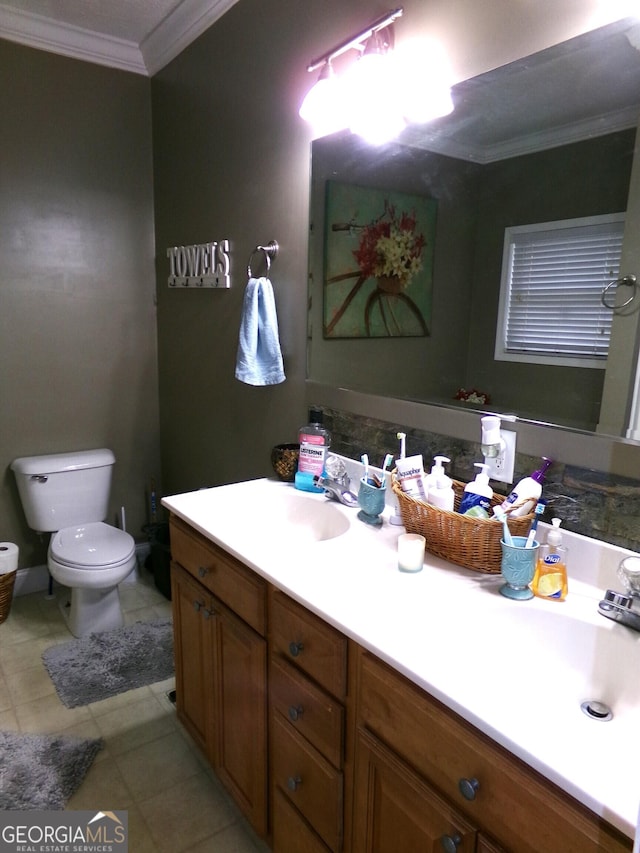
(295, 648)
(450, 843)
(208, 613)
(293, 783)
(468, 788)
(197, 605)
(295, 712)
(203, 571)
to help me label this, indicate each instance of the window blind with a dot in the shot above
(556, 274)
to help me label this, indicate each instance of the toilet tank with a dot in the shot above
(63, 489)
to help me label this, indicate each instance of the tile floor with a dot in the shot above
(149, 766)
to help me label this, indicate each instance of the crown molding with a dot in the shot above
(176, 32)
(181, 27)
(46, 34)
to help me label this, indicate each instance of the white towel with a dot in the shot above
(259, 360)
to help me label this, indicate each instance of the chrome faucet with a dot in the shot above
(335, 482)
(624, 607)
(337, 489)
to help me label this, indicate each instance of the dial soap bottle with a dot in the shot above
(550, 579)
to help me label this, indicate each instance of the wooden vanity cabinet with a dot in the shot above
(219, 617)
(307, 694)
(357, 758)
(405, 737)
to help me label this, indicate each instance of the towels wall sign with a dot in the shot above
(202, 265)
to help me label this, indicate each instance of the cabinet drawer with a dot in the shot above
(291, 832)
(310, 643)
(234, 584)
(308, 780)
(311, 711)
(513, 803)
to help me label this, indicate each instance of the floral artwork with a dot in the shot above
(378, 262)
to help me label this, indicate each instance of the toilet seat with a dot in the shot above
(92, 546)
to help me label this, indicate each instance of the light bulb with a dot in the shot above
(375, 113)
(324, 104)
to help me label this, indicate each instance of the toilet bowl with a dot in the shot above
(92, 559)
(67, 495)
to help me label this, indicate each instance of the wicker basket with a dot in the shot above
(7, 581)
(473, 543)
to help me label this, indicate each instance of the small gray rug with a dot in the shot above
(42, 771)
(102, 665)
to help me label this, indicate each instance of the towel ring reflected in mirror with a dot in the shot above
(269, 251)
(630, 281)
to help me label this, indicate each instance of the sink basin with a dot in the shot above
(571, 654)
(302, 518)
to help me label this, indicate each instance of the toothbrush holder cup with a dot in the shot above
(372, 500)
(518, 567)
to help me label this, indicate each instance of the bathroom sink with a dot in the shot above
(570, 653)
(295, 517)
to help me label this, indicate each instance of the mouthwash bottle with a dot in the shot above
(550, 579)
(314, 444)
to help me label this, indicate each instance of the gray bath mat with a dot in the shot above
(42, 771)
(103, 665)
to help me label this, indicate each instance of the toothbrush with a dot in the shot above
(506, 533)
(365, 461)
(402, 436)
(534, 524)
(387, 461)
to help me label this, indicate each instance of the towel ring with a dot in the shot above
(270, 251)
(629, 280)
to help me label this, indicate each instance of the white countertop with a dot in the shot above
(518, 671)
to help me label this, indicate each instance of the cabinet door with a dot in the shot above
(193, 642)
(241, 693)
(394, 809)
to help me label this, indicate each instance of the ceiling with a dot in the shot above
(134, 35)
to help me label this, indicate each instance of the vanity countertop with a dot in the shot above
(518, 671)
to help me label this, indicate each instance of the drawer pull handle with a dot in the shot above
(203, 571)
(295, 648)
(450, 843)
(295, 712)
(468, 788)
(293, 783)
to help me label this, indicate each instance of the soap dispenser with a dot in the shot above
(550, 579)
(477, 494)
(440, 489)
(436, 470)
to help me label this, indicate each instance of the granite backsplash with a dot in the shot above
(594, 503)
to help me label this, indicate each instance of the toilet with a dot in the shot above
(67, 495)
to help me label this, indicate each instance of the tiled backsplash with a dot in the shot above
(593, 503)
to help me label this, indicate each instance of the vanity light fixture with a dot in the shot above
(373, 96)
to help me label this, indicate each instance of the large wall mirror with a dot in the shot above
(550, 137)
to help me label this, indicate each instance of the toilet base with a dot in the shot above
(93, 610)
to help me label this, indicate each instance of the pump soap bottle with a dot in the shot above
(528, 490)
(440, 487)
(477, 495)
(315, 441)
(550, 579)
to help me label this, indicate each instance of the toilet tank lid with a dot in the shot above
(54, 463)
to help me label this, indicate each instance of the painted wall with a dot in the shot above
(77, 319)
(231, 159)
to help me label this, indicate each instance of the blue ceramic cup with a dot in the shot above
(371, 499)
(518, 567)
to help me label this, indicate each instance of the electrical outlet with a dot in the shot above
(501, 467)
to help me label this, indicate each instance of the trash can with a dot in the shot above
(160, 557)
